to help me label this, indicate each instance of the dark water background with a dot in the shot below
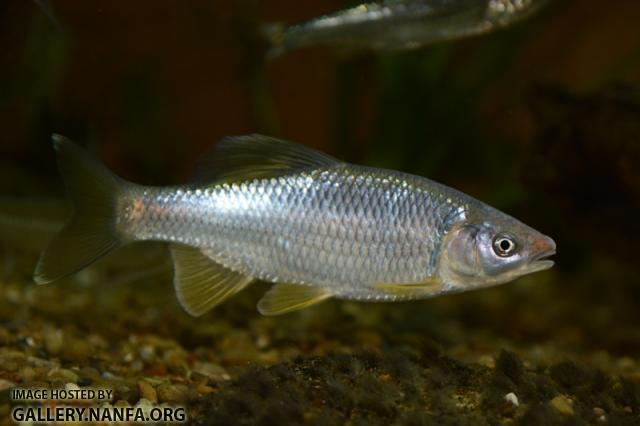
(541, 120)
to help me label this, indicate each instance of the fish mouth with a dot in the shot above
(541, 264)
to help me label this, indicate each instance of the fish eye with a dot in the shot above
(504, 245)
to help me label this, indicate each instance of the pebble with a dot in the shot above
(35, 385)
(512, 399)
(156, 369)
(124, 392)
(168, 392)
(106, 405)
(136, 366)
(10, 365)
(56, 384)
(27, 374)
(89, 372)
(4, 335)
(203, 389)
(98, 341)
(84, 381)
(63, 375)
(215, 372)
(147, 353)
(626, 363)
(39, 362)
(600, 414)
(198, 377)
(175, 358)
(71, 387)
(147, 391)
(77, 349)
(53, 341)
(263, 341)
(563, 405)
(6, 384)
(487, 361)
(146, 406)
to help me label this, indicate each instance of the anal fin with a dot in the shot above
(284, 298)
(409, 289)
(200, 282)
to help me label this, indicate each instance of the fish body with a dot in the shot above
(402, 24)
(315, 226)
(344, 228)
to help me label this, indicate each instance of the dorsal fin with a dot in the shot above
(283, 298)
(200, 282)
(255, 156)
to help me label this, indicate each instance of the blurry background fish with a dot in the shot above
(400, 24)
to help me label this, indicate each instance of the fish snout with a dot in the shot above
(541, 249)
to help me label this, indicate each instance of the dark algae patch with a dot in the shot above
(369, 389)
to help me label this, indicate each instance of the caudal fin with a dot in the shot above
(91, 231)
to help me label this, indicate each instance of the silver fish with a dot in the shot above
(317, 227)
(401, 24)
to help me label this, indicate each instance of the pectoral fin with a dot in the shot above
(200, 282)
(411, 289)
(283, 298)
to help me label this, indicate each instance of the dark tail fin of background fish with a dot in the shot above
(275, 36)
(91, 232)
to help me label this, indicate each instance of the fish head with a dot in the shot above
(491, 251)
